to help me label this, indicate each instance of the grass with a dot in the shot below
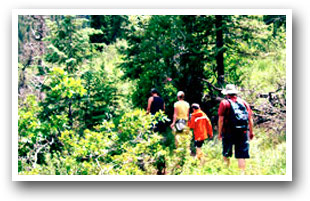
(266, 158)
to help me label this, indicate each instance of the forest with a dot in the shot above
(84, 83)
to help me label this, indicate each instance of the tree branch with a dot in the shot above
(38, 151)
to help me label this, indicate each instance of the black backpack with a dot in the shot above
(239, 117)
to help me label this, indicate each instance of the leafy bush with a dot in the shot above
(132, 147)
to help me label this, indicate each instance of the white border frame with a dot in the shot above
(286, 177)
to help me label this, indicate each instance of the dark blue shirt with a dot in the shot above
(157, 104)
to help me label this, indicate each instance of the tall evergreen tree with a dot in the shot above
(169, 53)
(112, 27)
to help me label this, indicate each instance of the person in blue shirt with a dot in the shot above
(155, 104)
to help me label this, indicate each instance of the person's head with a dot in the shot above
(154, 91)
(195, 106)
(230, 90)
(180, 95)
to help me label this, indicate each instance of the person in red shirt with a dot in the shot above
(202, 127)
(231, 136)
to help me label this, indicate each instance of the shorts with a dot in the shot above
(199, 143)
(240, 142)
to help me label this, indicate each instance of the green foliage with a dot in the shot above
(63, 94)
(245, 40)
(87, 118)
(69, 42)
(112, 27)
(35, 134)
(28, 125)
(266, 73)
(168, 53)
(107, 94)
(139, 143)
(62, 86)
(123, 149)
(277, 21)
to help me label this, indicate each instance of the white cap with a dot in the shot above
(180, 93)
(195, 105)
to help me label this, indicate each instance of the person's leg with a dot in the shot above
(176, 139)
(227, 148)
(226, 161)
(176, 142)
(241, 164)
(193, 146)
(242, 150)
(187, 136)
(199, 151)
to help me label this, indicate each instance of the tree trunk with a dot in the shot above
(70, 113)
(220, 51)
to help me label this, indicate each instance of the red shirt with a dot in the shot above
(224, 110)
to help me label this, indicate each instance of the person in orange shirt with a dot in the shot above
(202, 127)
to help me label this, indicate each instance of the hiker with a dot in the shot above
(202, 127)
(235, 126)
(180, 117)
(156, 103)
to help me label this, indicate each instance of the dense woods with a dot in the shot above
(84, 82)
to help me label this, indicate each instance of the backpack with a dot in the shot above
(239, 117)
(180, 125)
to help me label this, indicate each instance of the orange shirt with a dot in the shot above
(201, 125)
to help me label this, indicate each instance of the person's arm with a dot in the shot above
(220, 126)
(174, 117)
(251, 127)
(191, 123)
(209, 128)
(250, 121)
(149, 103)
(221, 113)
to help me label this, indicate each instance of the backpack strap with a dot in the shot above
(228, 100)
(238, 100)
